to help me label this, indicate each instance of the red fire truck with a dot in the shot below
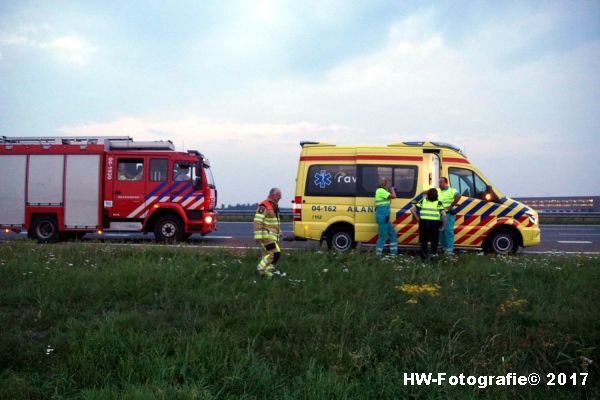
(64, 187)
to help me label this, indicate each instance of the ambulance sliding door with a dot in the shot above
(404, 178)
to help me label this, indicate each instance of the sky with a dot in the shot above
(515, 84)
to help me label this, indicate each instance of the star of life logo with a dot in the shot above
(323, 179)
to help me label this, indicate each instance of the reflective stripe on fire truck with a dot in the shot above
(164, 196)
(197, 203)
(141, 207)
(150, 198)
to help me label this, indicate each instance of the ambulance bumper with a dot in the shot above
(531, 236)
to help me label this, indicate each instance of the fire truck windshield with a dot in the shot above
(210, 180)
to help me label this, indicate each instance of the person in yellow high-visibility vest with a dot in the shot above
(449, 198)
(267, 232)
(432, 220)
(383, 198)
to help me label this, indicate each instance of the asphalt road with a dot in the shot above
(555, 238)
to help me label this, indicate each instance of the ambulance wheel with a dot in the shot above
(168, 228)
(45, 229)
(503, 242)
(340, 239)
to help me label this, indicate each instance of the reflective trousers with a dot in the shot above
(270, 255)
(385, 230)
(428, 232)
(447, 235)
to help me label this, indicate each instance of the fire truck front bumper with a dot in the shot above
(209, 222)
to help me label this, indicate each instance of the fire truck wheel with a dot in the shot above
(45, 229)
(168, 228)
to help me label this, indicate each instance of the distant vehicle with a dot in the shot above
(335, 187)
(64, 187)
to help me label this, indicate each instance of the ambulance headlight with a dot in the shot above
(532, 218)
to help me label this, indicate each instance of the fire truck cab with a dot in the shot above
(64, 187)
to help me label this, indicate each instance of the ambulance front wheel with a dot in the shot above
(45, 229)
(340, 239)
(503, 242)
(168, 228)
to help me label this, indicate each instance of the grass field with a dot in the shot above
(101, 321)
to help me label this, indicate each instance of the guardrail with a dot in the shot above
(541, 213)
(570, 214)
(250, 212)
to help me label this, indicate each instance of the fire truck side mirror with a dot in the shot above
(197, 183)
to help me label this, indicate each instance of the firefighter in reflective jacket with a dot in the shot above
(432, 220)
(267, 232)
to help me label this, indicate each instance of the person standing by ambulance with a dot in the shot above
(383, 199)
(431, 219)
(449, 198)
(267, 232)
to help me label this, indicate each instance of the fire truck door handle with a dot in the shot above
(117, 192)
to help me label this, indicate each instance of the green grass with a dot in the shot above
(167, 322)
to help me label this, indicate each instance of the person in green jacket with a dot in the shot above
(432, 219)
(383, 198)
(449, 198)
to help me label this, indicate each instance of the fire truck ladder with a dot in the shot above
(109, 142)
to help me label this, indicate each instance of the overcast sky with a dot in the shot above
(516, 84)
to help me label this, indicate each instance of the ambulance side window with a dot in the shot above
(331, 180)
(405, 181)
(480, 187)
(130, 169)
(158, 169)
(369, 178)
(402, 177)
(467, 182)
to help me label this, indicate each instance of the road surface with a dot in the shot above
(555, 238)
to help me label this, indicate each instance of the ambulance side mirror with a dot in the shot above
(489, 194)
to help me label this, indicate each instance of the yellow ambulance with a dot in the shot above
(335, 187)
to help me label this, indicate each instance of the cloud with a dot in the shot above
(247, 158)
(199, 130)
(72, 49)
(514, 115)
